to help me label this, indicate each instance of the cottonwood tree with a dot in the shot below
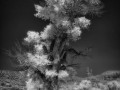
(44, 57)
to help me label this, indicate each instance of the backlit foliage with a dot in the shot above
(44, 59)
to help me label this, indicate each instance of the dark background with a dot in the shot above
(17, 17)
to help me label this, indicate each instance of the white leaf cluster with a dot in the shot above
(82, 22)
(63, 74)
(39, 9)
(66, 23)
(85, 84)
(59, 4)
(56, 8)
(48, 32)
(75, 29)
(39, 48)
(32, 36)
(38, 60)
(33, 85)
(75, 33)
(52, 73)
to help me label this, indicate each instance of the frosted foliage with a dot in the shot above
(76, 32)
(65, 23)
(63, 74)
(39, 60)
(33, 85)
(82, 22)
(32, 36)
(56, 8)
(50, 73)
(39, 48)
(85, 84)
(59, 8)
(48, 32)
(53, 73)
(39, 9)
(48, 50)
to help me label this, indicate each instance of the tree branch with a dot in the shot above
(52, 45)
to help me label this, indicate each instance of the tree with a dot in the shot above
(44, 56)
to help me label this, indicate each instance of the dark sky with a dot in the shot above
(17, 17)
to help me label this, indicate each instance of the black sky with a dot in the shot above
(17, 17)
